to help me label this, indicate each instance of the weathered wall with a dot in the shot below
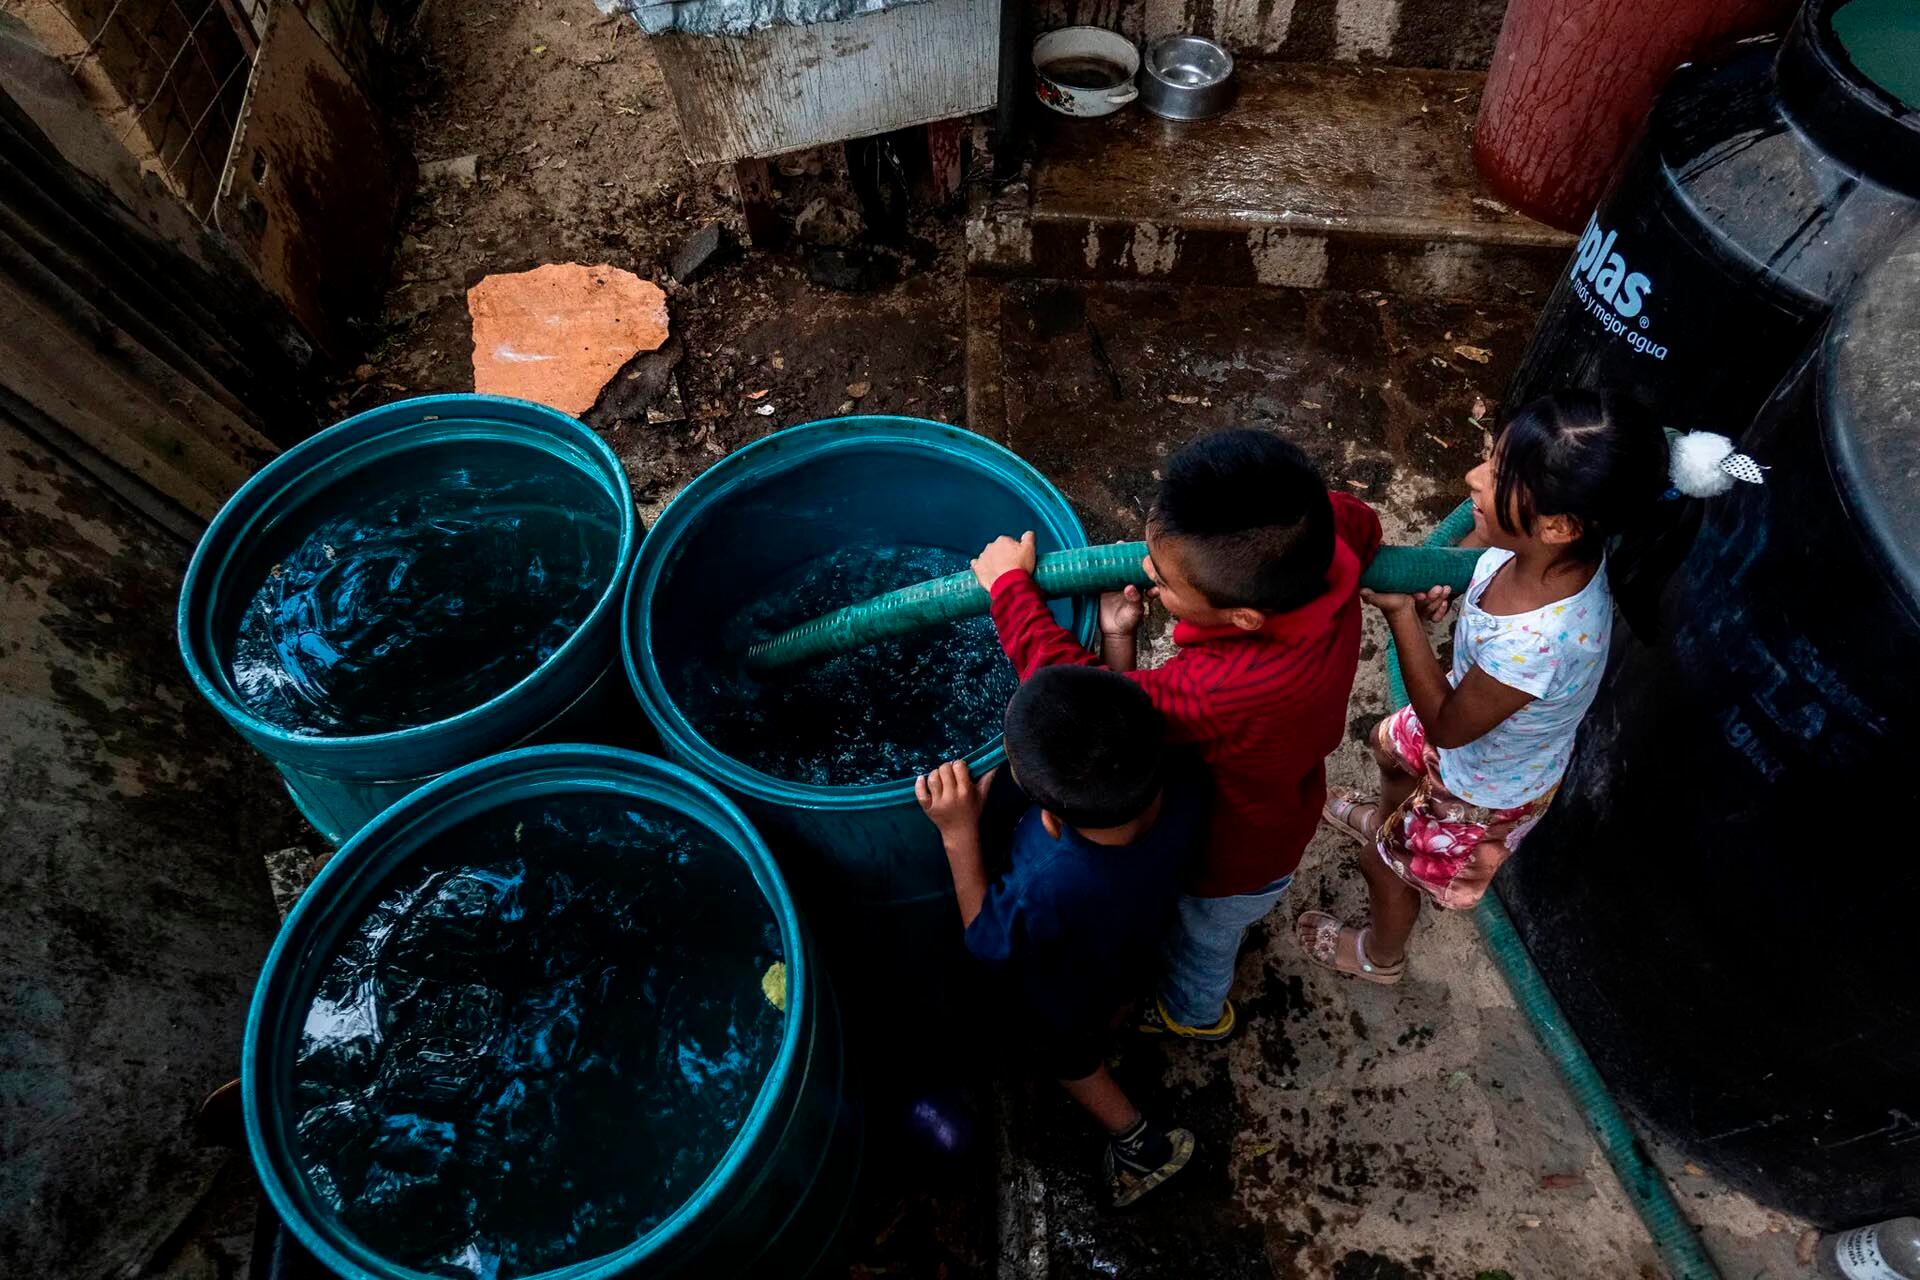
(1411, 33)
(134, 909)
(126, 331)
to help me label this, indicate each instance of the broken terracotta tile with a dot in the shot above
(559, 333)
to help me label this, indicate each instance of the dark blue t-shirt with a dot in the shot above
(1074, 927)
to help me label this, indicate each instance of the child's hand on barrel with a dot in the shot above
(954, 801)
(951, 798)
(1003, 555)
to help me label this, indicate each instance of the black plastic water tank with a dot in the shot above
(1723, 895)
(1765, 181)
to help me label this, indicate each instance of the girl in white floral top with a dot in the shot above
(1470, 765)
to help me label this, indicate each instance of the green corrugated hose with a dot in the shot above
(1672, 1234)
(1081, 571)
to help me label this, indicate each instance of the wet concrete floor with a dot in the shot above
(1095, 383)
(133, 906)
(1303, 143)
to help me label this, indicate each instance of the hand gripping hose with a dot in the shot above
(1081, 571)
(1645, 1186)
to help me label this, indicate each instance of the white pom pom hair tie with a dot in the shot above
(1704, 465)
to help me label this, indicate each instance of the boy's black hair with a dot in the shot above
(1252, 517)
(1086, 745)
(1593, 455)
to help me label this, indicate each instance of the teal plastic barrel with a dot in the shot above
(772, 1205)
(419, 586)
(864, 859)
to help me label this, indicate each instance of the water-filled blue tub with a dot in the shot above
(419, 586)
(775, 1200)
(864, 859)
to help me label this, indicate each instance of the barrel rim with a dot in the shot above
(412, 821)
(1851, 115)
(806, 441)
(1858, 410)
(198, 600)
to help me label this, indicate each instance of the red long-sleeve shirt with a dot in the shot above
(1264, 707)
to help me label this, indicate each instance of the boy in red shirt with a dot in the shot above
(1260, 567)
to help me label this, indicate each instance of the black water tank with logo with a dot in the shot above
(1764, 182)
(1723, 895)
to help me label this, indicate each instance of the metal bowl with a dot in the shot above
(1186, 78)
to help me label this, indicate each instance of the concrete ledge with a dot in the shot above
(1408, 33)
(1320, 177)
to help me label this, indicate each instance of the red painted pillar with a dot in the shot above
(1571, 81)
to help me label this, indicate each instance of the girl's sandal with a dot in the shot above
(1346, 812)
(1320, 936)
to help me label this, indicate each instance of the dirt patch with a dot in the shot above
(579, 159)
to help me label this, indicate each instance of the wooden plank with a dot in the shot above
(315, 186)
(129, 339)
(756, 203)
(986, 378)
(131, 933)
(114, 406)
(787, 88)
(944, 172)
(242, 26)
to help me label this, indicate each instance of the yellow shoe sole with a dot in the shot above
(1158, 1023)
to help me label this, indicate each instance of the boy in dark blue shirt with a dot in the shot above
(1073, 928)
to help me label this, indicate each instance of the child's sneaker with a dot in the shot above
(1155, 1022)
(1144, 1157)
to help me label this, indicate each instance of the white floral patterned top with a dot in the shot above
(1557, 653)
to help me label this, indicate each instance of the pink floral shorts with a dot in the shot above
(1427, 840)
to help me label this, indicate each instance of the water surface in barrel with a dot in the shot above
(539, 1040)
(421, 590)
(886, 711)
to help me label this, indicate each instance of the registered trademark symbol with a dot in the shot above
(1643, 322)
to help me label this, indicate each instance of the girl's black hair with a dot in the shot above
(1596, 456)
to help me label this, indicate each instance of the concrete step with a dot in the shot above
(1406, 33)
(1321, 176)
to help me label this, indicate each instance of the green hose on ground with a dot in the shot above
(1645, 1186)
(1081, 571)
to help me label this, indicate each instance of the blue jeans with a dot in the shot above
(1200, 953)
